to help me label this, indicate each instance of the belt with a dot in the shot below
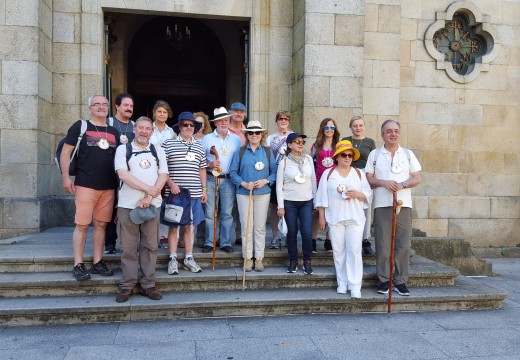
(222, 176)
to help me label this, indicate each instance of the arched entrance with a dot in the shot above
(194, 64)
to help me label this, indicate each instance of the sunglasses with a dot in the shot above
(254, 133)
(329, 128)
(298, 142)
(188, 125)
(283, 118)
(347, 155)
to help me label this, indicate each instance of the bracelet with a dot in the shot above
(204, 188)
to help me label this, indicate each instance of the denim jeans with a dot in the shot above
(226, 201)
(299, 213)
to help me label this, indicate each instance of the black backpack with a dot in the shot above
(130, 153)
(73, 157)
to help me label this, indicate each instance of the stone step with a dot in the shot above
(423, 272)
(31, 260)
(465, 294)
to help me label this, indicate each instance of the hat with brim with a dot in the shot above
(293, 136)
(345, 145)
(220, 113)
(253, 126)
(142, 215)
(186, 115)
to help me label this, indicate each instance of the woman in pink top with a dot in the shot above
(322, 151)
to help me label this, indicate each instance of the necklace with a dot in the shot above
(123, 138)
(102, 142)
(357, 146)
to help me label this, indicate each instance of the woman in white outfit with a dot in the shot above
(342, 195)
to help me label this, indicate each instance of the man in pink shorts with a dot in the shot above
(94, 183)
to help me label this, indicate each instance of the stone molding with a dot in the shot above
(483, 28)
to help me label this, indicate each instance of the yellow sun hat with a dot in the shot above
(344, 145)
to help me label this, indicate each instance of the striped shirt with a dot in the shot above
(184, 163)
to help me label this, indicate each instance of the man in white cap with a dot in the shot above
(226, 144)
(143, 171)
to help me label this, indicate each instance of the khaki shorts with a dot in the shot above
(90, 203)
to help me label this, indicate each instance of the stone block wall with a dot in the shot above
(317, 58)
(465, 135)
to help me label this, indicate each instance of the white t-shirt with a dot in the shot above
(143, 166)
(336, 208)
(383, 171)
(287, 188)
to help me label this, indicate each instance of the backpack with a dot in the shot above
(176, 209)
(110, 121)
(73, 157)
(267, 151)
(130, 153)
(332, 169)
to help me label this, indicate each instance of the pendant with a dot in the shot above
(396, 169)
(259, 165)
(300, 178)
(103, 144)
(190, 156)
(327, 162)
(123, 139)
(145, 164)
(224, 151)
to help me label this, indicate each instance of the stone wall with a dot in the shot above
(317, 58)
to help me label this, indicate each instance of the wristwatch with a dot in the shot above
(404, 183)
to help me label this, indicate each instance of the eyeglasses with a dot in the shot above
(347, 155)
(254, 133)
(329, 128)
(104, 105)
(188, 125)
(298, 142)
(282, 119)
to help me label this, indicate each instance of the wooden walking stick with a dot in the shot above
(395, 203)
(216, 172)
(247, 238)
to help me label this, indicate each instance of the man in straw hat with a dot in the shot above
(226, 144)
(187, 167)
(392, 169)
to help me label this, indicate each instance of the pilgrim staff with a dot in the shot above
(247, 238)
(395, 204)
(216, 172)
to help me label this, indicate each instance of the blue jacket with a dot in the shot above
(248, 173)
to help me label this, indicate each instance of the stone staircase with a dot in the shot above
(37, 287)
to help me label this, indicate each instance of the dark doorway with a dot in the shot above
(179, 60)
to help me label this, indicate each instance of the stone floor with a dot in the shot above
(490, 334)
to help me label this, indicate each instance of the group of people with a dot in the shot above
(236, 167)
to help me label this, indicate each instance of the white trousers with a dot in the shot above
(368, 220)
(346, 247)
(257, 220)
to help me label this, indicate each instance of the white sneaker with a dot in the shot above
(355, 294)
(342, 289)
(191, 265)
(173, 267)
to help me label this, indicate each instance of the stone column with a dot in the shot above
(332, 47)
(25, 105)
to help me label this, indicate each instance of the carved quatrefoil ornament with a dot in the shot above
(462, 41)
